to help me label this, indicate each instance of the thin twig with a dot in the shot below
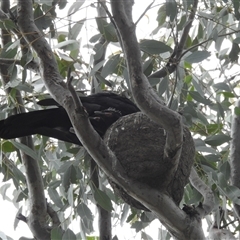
(148, 7)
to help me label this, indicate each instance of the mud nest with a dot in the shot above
(138, 144)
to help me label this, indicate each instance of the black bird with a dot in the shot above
(103, 110)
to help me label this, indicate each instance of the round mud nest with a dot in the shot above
(138, 144)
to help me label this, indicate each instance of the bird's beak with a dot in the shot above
(101, 113)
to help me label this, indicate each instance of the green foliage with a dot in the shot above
(107, 30)
(69, 235)
(154, 47)
(56, 234)
(9, 50)
(103, 200)
(197, 56)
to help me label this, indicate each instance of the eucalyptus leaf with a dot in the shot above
(110, 66)
(196, 96)
(84, 211)
(103, 200)
(154, 47)
(8, 52)
(68, 45)
(171, 9)
(197, 56)
(217, 140)
(26, 150)
(75, 30)
(107, 30)
(53, 194)
(75, 7)
(69, 235)
(163, 86)
(222, 86)
(56, 234)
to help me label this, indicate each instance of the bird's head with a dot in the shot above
(102, 120)
(108, 114)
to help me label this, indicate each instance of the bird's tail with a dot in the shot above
(50, 122)
(19, 125)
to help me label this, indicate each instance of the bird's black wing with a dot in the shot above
(50, 122)
(107, 100)
(100, 102)
(103, 110)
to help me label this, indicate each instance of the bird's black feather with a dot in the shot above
(103, 109)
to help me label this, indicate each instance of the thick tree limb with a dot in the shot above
(37, 218)
(104, 217)
(145, 97)
(209, 200)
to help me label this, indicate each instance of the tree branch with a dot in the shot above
(145, 97)
(209, 200)
(177, 54)
(104, 216)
